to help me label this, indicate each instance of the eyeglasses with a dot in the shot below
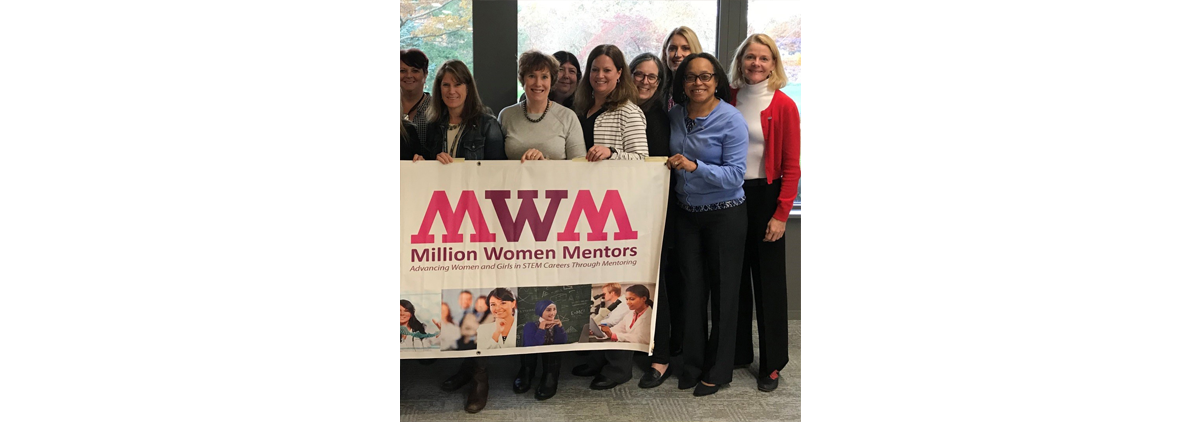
(703, 77)
(647, 76)
(569, 71)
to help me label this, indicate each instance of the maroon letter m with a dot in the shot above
(452, 219)
(597, 217)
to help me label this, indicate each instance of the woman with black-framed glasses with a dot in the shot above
(649, 75)
(708, 139)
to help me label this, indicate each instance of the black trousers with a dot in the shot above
(669, 280)
(616, 365)
(763, 284)
(709, 246)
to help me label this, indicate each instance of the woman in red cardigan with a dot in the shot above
(772, 175)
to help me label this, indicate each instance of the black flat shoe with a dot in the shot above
(769, 383)
(685, 384)
(704, 390)
(584, 370)
(653, 378)
(603, 383)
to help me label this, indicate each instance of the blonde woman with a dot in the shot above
(680, 43)
(613, 125)
(772, 173)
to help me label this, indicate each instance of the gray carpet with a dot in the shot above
(422, 400)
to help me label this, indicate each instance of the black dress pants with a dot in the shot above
(616, 365)
(669, 280)
(710, 249)
(763, 284)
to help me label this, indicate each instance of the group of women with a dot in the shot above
(733, 145)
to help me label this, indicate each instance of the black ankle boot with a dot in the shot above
(525, 375)
(477, 397)
(551, 362)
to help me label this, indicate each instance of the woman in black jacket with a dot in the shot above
(649, 75)
(460, 125)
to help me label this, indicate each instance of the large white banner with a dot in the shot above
(504, 257)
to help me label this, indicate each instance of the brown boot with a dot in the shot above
(477, 397)
(460, 378)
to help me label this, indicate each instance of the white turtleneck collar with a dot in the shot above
(759, 88)
(752, 99)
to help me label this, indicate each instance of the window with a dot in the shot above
(781, 21)
(633, 26)
(439, 28)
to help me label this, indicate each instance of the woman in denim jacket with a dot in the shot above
(460, 125)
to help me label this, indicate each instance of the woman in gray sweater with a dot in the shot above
(537, 128)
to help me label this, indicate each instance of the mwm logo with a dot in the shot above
(512, 227)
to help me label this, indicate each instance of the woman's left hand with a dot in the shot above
(678, 161)
(606, 330)
(599, 152)
(775, 230)
(444, 158)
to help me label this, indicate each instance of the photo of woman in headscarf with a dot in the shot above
(547, 329)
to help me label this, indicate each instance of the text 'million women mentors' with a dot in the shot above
(708, 137)
(772, 173)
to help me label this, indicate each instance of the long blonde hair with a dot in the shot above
(688, 34)
(778, 78)
(624, 91)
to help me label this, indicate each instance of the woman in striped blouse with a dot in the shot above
(613, 125)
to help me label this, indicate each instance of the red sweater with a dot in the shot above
(781, 154)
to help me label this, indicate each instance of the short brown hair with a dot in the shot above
(534, 60)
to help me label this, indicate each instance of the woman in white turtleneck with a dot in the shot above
(772, 175)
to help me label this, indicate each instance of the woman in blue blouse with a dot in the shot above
(709, 140)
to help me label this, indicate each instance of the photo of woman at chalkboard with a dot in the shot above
(547, 329)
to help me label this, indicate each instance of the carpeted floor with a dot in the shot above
(422, 400)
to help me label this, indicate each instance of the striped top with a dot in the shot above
(623, 129)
